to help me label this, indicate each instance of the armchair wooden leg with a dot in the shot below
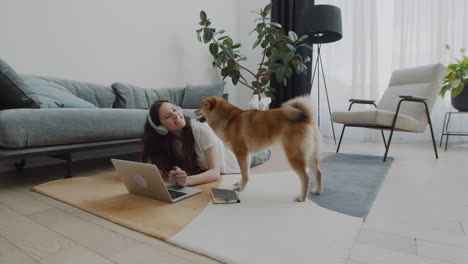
(432, 132)
(341, 137)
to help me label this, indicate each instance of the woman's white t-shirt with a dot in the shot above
(206, 138)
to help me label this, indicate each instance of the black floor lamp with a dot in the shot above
(322, 23)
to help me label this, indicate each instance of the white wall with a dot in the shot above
(246, 25)
(151, 43)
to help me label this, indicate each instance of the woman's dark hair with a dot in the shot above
(161, 150)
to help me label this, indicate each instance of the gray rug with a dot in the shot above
(350, 182)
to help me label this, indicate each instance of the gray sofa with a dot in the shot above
(115, 117)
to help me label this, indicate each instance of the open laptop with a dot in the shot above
(145, 180)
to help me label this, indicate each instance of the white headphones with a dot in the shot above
(161, 129)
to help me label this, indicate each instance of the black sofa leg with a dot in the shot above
(20, 165)
(68, 158)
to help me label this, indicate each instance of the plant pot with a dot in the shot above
(460, 102)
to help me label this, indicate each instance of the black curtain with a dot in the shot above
(288, 14)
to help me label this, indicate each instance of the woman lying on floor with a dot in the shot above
(185, 150)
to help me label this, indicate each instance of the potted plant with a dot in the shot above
(280, 55)
(456, 81)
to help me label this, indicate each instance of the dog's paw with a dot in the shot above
(316, 190)
(299, 198)
(238, 187)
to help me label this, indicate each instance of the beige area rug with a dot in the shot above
(105, 195)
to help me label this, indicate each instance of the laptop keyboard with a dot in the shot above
(176, 194)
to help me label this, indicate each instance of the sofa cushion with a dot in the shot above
(52, 95)
(46, 127)
(14, 92)
(99, 95)
(135, 97)
(194, 94)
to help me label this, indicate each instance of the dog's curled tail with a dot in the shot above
(299, 109)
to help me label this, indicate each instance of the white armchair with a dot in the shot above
(405, 106)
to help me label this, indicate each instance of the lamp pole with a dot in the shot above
(317, 69)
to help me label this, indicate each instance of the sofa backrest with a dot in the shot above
(135, 97)
(190, 97)
(100, 95)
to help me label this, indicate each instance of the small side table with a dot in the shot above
(446, 132)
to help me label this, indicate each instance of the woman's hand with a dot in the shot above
(178, 176)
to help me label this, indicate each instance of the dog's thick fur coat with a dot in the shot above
(252, 131)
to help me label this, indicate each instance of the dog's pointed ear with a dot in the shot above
(209, 102)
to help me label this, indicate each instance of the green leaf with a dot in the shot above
(235, 46)
(228, 41)
(292, 35)
(280, 72)
(228, 52)
(256, 43)
(259, 27)
(267, 8)
(221, 31)
(224, 72)
(290, 47)
(456, 91)
(276, 25)
(220, 59)
(207, 35)
(273, 66)
(306, 46)
(271, 37)
(223, 37)
(202, 16)
(444, 89)
(235, 78)
(261, 34)
(231, 64)
(287, 56)
(302, 38)
(289, 72)
(198, 36)
(213, 49)
(455, 83)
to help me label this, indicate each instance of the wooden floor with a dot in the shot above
(420, 216)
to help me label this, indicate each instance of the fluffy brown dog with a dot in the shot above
(252, 131)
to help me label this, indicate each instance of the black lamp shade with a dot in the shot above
(322, 23)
